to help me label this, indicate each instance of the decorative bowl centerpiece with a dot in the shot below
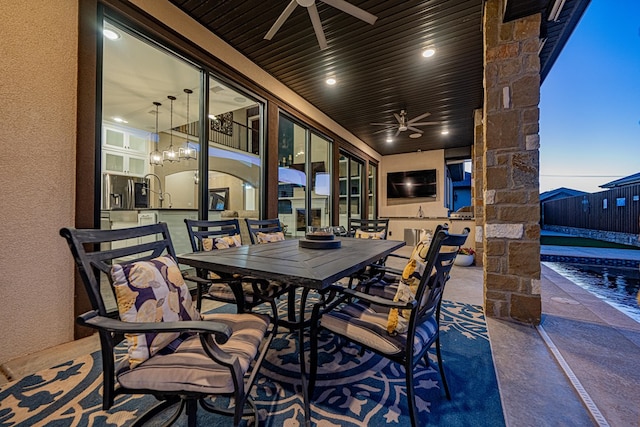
(320, 238)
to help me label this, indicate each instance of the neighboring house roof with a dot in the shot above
(560, 193)
(627, 180)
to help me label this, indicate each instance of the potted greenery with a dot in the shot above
(465, 257)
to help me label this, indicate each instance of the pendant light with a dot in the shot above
(170, 155)
(155, 158)
(187, 152)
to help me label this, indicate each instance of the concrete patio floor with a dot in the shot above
(598, 347)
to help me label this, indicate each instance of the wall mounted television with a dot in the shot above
(412, 184)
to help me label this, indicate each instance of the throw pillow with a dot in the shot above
(151, 291)
(224, 242)
(359, 234)
(422, 248)
(276, 236)
(398, 320)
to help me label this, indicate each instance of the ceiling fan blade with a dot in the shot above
(317, 26)
(425, 123)
(417, 119)
(411, 128)
(398, 118)
(383, 124)
(352, 10)
(382, 130)
(398, 132)
(283, 17)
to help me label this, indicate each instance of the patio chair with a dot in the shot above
(263, 231)
(176, 354)
(367, 229)
(245, 292)
(401, 329)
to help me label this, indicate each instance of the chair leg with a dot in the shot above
(441, 367)
(411, 397)
(192, 411)
(313, 349)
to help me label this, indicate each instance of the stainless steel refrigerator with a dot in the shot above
(124, 192)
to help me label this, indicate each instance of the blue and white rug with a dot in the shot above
(352, 390)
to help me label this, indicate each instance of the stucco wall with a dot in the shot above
(38, 64)
(433, 159)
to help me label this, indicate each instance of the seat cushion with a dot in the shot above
(363, 325)
(151, 291)
(190, 369)
(223, 292)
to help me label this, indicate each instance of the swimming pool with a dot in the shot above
(618, 286)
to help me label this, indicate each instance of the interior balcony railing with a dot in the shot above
(229, 134)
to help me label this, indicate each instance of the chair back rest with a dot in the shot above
(199, 230)
(442, 252)
(256, 226)
(94, 252)
(368, 226)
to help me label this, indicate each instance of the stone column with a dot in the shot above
(511, 237)
(477, 184)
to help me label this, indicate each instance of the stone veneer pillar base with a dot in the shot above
(510, 166)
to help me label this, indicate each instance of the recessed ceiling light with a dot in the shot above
(119, 120)
(110, 34)
(445, 132)
(415, 135)
(331, 81)
(389, 139)
(428, 52)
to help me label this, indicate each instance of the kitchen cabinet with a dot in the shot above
(125, 150)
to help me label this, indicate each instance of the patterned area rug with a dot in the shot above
(370, 391)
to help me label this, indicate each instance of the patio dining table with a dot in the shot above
(289, 263)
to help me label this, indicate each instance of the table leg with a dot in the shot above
(303, 367)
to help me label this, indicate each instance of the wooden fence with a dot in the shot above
(616, 210)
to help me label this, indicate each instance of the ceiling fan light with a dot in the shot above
(428, 52)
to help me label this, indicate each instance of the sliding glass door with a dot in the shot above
(303, 164)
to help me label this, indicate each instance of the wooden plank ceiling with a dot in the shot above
(379, 68)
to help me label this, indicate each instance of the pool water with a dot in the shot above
(618, 286)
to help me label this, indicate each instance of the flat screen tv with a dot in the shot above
(412, 184)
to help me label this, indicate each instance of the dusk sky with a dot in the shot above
(590, 101)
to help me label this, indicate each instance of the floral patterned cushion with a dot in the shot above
(398, 320)
(269, 237)
(359, 234)
(422, 248)
(151, 291)
(225, 242)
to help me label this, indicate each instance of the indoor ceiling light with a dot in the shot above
(187, 152)
(389, 139)
(170, 155)
(331, 81)
(110, 34)
(119, 120)
(445, 132)
(428, 52)
(155, 158)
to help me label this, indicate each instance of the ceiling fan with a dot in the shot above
(315, 17)
(403, 124)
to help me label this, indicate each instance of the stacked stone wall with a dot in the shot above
(511, 246)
